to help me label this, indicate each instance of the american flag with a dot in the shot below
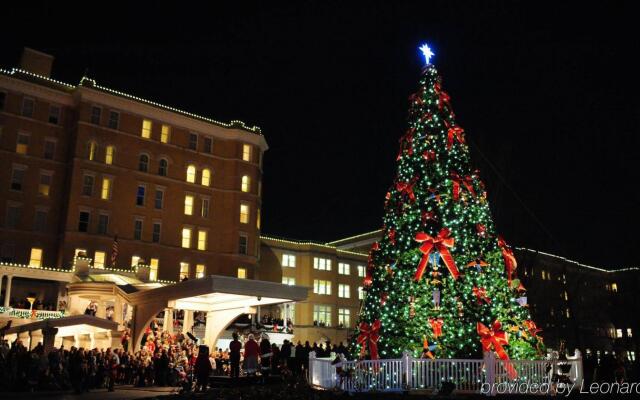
(114, 251)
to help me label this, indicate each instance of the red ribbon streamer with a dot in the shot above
(458, 182)
(440, 243)
(436, 325)
(456, 133)
(407, 188)
(496, 338)
(369, 335)
(509, 258)
(481, 295)
(532, 327)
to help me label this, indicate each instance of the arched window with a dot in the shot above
(91, 151)
(143, 164)
(163, 167)
(108, 154)
(191, 174)
(246, 183)
(206, 177)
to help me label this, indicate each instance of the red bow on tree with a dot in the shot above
(495, 338)
(457, 133)
(426, 117)
(441, 244)
(481, 295)
(481, 229)
(436, 326)
(407, 188)
(428, 216)
(458, 181)
(369, 335)
(429, 155)
(443, 96)
(509, 258)
(532, 327)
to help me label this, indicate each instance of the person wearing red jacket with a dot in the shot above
(251, 353)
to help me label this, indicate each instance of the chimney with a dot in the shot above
(36, 62)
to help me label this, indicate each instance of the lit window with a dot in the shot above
(54, 114)
(153, 269)
(22, 144)
(287, 280)
(344, 317)
(566, 296)
(344, 269)
(618, 333)
(244, 213)
(188, 204)
(186, 237)
(163, 167)
(258, 219)
(322, 314)
(108, 155)
(360, 293)
(544, 275)
(146, 128)
(191, 174)
(165, 134)
(567, 313)
(614, 287)
(184, 270)
(362, 271)
(204, 209)
(98, 259)
(91, 151)
(27, 107)
(322, 264)
(321, 287)
(288, 260)
(83, 221)
(206, 177)
(242, 273)
(344, 291)
(140, 195)
(193, 141)
(105, 194)
(202, 240)
(199, 271)
(245, 183)
(143, 163)
(114, 119)
(45, 184)
(629, 332)
(246, 152)
(35, 259)
(95, 115)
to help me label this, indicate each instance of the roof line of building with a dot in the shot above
(624, 269)
(88, 82)
(310, 243)
(334, 242)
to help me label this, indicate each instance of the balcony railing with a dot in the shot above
(26, 314)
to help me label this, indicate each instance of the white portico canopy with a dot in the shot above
(223, 298)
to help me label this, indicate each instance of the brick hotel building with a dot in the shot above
(82, 164)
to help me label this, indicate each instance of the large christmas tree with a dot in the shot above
(441, 278)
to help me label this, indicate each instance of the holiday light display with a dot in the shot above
(440, 275)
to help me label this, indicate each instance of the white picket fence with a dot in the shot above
(418, 374)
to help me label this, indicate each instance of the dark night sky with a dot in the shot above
(546, 92)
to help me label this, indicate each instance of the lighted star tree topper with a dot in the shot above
(441, 278)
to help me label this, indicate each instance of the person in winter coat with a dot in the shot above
(251, 353)
(202, 369)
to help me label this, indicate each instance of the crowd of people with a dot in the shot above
(161, 359)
